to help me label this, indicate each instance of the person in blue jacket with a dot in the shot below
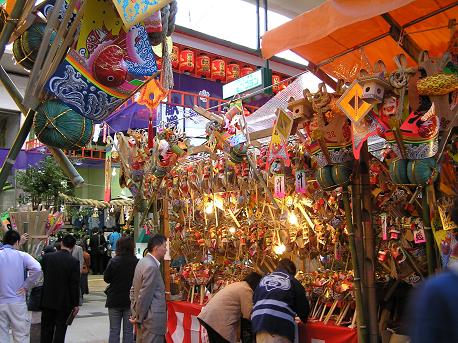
(278, 300)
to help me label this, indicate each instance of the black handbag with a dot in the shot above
(34, 300)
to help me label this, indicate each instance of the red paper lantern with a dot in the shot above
(246, 70)
(218, 70)
(232, 72)
(203, 66)
(186, 61)
(174, 57)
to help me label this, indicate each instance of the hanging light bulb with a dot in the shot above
(209, 208)
(292, 218)
(279, 249)
(218, 203)
(232, 230)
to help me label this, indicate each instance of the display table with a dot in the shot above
(183, 327)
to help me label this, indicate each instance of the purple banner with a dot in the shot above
(24, 159)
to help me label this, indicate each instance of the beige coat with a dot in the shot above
(224, 310)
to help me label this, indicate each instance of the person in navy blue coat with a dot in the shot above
(278, 300)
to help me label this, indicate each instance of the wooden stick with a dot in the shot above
(57, 52)
(42, 51)
(323, 312)
(344, 313)
(331, 312)
(353, 322)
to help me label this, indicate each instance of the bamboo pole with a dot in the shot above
(430, 254)
(60, 157)
(66, 166)
(369, 245)
(10, 25)
(166, 232)
(356, 270)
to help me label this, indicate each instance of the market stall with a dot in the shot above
(354, 184)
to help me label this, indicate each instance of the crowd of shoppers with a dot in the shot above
(136, 299)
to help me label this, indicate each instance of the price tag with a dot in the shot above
(279, 186)
(384, 226)
(300, 181)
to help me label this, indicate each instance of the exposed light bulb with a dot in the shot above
(292, 218)
(232, 230)
(279, 249)
(113, 173)
(209, 208)
(218, 203)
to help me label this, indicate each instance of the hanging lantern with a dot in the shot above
(232, 72)
(218, 72)
(275, 81)
(203, 66)
(186, 61)
(246, 70)
(174, 56)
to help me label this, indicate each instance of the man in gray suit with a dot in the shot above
(148, 294)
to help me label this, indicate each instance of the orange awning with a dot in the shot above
(331, 35)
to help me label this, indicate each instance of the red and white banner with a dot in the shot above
(184, 327)
(182, 323)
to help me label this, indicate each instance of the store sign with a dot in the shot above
(243, 84)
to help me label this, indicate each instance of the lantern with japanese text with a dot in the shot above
(232, 72)
(203, 66)
(275, 83)
(246, 70)
(186, 61)
(174, 56)
(218, 72)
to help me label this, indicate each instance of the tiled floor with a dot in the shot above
(91, 325)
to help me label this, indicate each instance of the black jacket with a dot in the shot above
(61, 286)
(119, 274)
(95, 241)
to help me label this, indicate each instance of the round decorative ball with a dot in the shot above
(341, 173)
(25, 47)
(59, 126)
(324, 177)
(398, 172)
(420, 171)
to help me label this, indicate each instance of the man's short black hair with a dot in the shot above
(69, 241)
(253, 280)
(287, 265)
(11, 237)
(156, 241)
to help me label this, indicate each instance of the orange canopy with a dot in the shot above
(339, 35)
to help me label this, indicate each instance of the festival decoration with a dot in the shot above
(133, 13)
(218, 70)
(203, 66)
(60, 126)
